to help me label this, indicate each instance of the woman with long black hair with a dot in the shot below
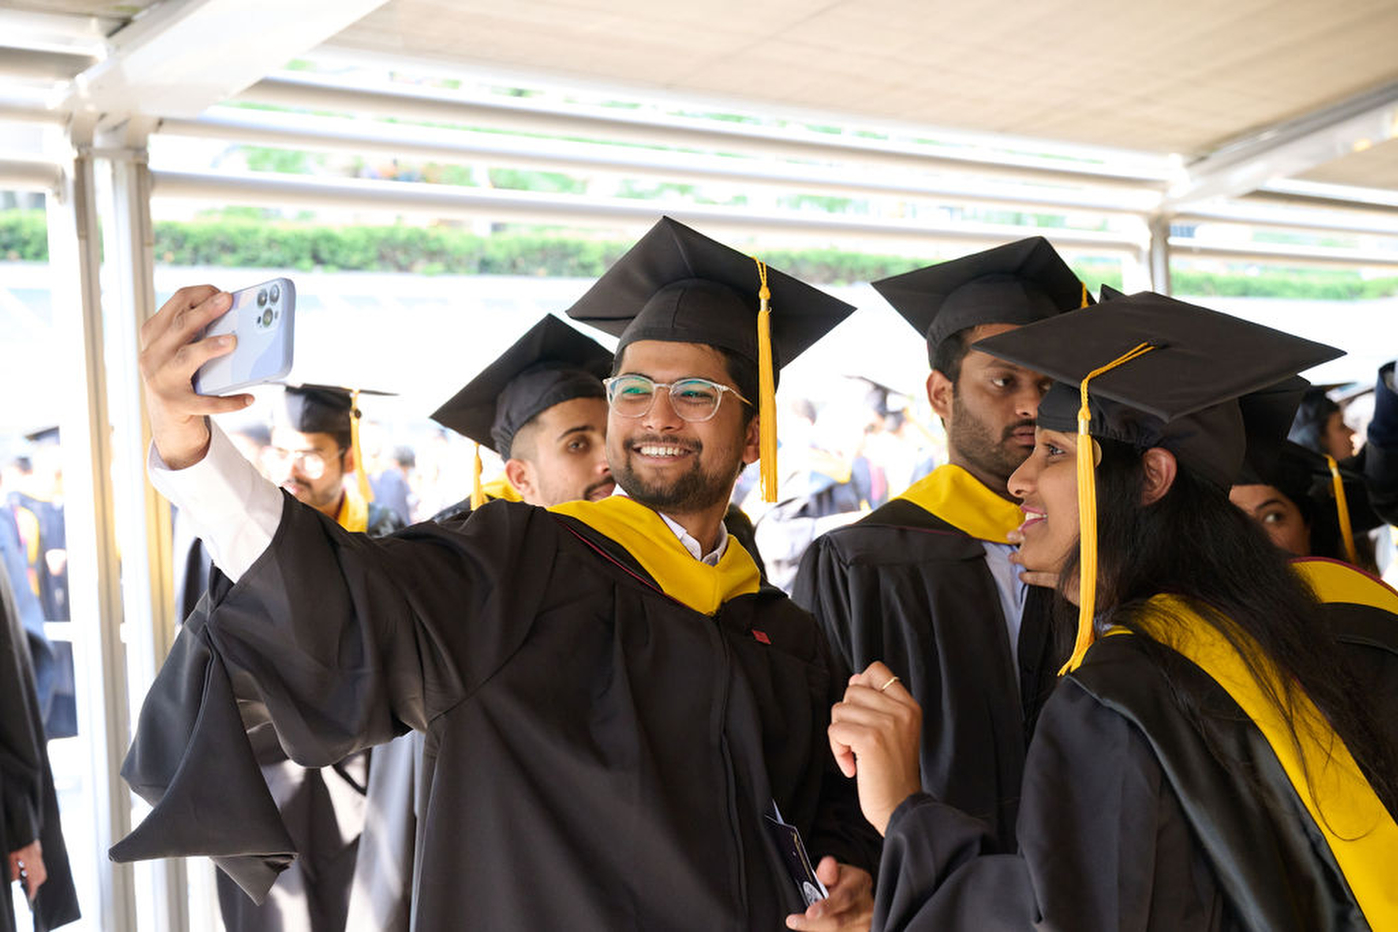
(1221, 752)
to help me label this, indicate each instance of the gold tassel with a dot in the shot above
(1084, 296)
(361, 468)
(766, 391)
(1342, 511)
(1087, 516)
(477, 491)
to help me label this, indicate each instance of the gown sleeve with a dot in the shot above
(21, 742)
(1103, 843)
(336, 642)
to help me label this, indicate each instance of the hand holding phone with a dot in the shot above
(263, 319)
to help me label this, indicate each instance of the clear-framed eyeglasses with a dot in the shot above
(312, 462)
(693, 399)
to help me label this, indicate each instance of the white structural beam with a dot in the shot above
(179, 58)
(523, 115)
(29, 175)
(1299, 192)
(34, 65)
(1290, 148)
(299, 131)
(441, 201)
(1283, 253)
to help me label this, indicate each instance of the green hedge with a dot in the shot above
(248, 239)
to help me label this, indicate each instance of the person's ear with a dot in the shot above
(1160, 469)
(347, 463)
(940, 392)
(752, 442)
(521, 476)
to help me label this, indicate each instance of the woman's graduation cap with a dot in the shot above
(552, 363)
(1150, 371)
(678, 286)
(1017, 283)
(330, 409)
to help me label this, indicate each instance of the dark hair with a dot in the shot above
(343, 438)
(1308, 426)
(946, 358)
(1194, 543)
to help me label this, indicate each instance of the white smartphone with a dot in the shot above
(263, 318)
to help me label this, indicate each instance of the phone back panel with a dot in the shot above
(263, 318)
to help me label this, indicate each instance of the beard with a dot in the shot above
(976, 442)
(693, 490)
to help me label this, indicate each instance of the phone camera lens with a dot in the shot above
(262, 297)
(276, 292)
(267, 318)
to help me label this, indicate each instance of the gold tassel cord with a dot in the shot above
(1084, 296)
(361, 468)
(766, 390)
(1087, 515)
(1342, 511)
(477, 490)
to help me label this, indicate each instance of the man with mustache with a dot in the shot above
(541, 407)
(623, 725)
(925, 582)
(312, 453)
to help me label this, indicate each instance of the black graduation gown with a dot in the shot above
(28, 802)
(324, 809)
(597, 755)
(1131, 820)
(903, 586)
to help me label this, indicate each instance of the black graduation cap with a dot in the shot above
(1180, 395)
(1108, 293)
(1158, 372)
(1017, 283)
(329, 409)
(48, 434)
(552, 363)
(679, 286)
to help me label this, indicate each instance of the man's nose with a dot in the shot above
(662, 414)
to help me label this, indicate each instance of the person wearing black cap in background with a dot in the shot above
(542, 408)
(313, 450)
(1228, 757)
(315, 447)
(614, 703)
(1307, 504)
(925, 583)
(1380, 451)
(32, 848)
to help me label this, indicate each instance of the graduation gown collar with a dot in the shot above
(1358, 829)
(354, 512)
(961, 500)
(643, 534)
(501, 488)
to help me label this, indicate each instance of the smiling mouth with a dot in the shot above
(661, 451)
(1031, 518)
(600, 491)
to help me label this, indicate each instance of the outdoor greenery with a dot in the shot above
(248, 237)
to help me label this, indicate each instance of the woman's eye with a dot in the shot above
(1052, 450)
(1273, 517)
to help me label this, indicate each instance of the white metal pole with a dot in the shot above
(142, 516)
(94, 565)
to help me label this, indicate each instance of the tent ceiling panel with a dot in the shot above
(118, 12)
(1157, 75)
(1375, 167)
